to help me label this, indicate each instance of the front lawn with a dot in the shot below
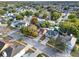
(75, 51)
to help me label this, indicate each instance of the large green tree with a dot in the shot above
(22, 13)
(66, 7)
(55, 15)
(34, 20)
(28, 13)
(71, 16)
(45, 24)
(77, 14)
(12, 10)
(70, 26)
(44, 16)
(19, 17)
(30, 30)
(36, 14)
(2, 12)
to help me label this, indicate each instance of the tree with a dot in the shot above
(55, 15)
(34, 20)
(73, 20)
(72, 16)
(19, 17)
(37, 7)
(2, 12)
(77, 4)
(33, 30)
(75, 51)
(44, 16)
(6, 9)
(77, 14)
(71, 27)
(9, 21)
(36, 14)
(58, 44)
(28, 13)
(25, 31)
(45, 24)
(61, 46)
(18, 4)
(66, 7)
(22, 13)
(30, 30)
(12, 11)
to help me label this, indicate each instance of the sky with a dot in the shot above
(39, 0)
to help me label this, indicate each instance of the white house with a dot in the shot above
(71, 44)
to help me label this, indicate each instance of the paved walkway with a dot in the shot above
(22, 52)
(37, 52)
(47, 50)
(45, 41)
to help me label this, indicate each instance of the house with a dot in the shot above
(74, 8)
(10, 51)
(16, 50)
(15, 35)
(70, 42)
(40, 20)
(7, 52)
(17, 23)
(9, 15)
(68, 39)
(1, 46)
(2, 20)
(52, 34)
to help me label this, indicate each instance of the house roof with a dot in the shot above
(52, 33)
(17, 22)
(41, 19)
(9, 51)
(17, 50)
(67, 38)
(15, 34)
(1, 44)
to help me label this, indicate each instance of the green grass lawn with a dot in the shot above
(75, 51)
